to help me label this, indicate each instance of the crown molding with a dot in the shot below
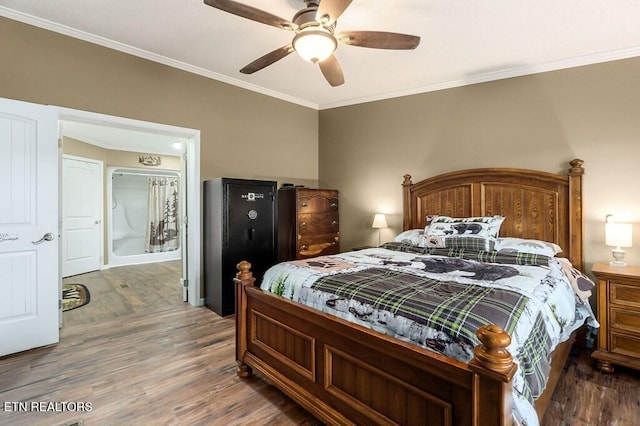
(125, 48)
(577, 61)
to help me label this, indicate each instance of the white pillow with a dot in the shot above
(445, 226)
(415, 237)
(521, 245)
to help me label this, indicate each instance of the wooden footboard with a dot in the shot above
(343, 373)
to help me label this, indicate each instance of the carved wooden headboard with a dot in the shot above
(537, 205)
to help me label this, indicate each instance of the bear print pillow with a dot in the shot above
(445, 226)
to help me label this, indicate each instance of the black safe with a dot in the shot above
(239, 223)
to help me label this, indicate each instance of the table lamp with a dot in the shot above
(618, 235)
(379, 222)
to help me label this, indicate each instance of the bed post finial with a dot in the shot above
(244, 269)
(492, 353)
(576, 167)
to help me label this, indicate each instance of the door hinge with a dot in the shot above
(59, 304)
(185, 282)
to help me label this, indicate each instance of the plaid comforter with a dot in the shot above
(452, 309)
(456, 309)
(437, 299)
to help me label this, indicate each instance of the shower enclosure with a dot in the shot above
(143, 216)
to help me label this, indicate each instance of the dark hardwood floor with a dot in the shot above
(140, 355)
(585, 396)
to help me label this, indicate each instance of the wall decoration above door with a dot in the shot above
(149, 160)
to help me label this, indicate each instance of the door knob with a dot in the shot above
(46, 237)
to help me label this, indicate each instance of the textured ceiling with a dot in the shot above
(463, 41)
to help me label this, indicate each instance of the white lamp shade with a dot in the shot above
(314, 45)
(618, 234)
(379, 221)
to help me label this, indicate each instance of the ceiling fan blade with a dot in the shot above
(332, 71)
(266, 60)
(330, 10)
(252, 13)
(379, 40)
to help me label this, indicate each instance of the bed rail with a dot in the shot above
(343, 373)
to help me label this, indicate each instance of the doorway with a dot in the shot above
(152, 138)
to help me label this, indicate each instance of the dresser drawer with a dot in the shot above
(621, 293)
(623, 319)
(624, 344)
(318, 224)
(318, 245)
(322, 203)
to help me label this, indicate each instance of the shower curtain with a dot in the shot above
(162, 230)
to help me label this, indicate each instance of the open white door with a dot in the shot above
(81, 215)
(29, 274)
(184, 223)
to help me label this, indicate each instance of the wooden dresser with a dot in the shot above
(308, 223)
(619, 316)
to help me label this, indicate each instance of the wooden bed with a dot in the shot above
(347, 374)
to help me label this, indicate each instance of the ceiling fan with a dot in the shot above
(315, 39)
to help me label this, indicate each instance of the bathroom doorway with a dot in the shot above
(151, 139)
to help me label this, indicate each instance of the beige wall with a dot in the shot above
(243, 134)
(540, 122)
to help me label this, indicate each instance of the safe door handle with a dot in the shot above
(46, 237)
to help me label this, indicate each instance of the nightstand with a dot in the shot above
(619, 317)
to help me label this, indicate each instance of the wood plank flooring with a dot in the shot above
(140, 355)
(585, 396)
(127, 290)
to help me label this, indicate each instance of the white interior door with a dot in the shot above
(29, 275)
(81, 215)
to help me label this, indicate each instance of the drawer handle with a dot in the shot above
(334, 204)
(303, 247)
(304, 205)
(303, 224)
(334, 222)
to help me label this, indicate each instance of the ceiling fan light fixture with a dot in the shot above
(314, 44)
